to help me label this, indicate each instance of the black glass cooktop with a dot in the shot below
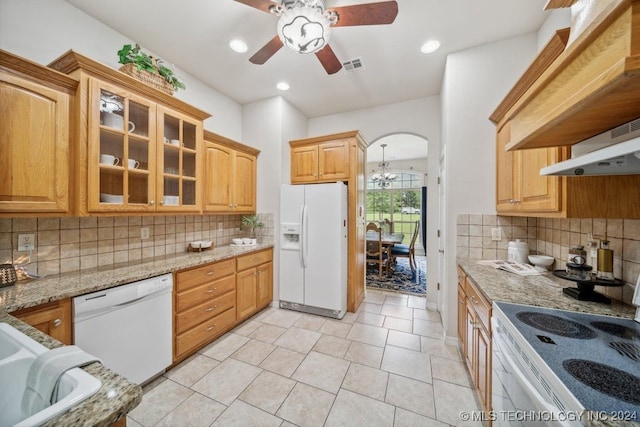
(596, 357)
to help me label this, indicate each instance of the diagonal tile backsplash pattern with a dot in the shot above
(555, 236)
(73, 244)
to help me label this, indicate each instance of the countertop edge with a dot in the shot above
(115, 398)
(31, 293)
(502, 286)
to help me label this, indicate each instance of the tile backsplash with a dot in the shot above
(73, 244)
(555, 236)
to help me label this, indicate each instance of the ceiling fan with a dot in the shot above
(304, 26)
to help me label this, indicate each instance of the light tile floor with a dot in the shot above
(386, 365)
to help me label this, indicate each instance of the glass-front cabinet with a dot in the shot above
(180, 139)
(142, 156)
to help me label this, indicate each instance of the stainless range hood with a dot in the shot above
(620, 155)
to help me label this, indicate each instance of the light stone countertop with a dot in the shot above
(117, 396)
(544, 290)
(29, 293)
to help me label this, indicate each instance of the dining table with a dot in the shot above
(387, 239)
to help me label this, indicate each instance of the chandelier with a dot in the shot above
(383, 178)
(304, 24)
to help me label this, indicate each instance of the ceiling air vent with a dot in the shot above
(353, 65)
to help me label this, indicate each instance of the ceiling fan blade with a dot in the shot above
(267, 51)
(329, 60)
(366, 14)
(263, 5)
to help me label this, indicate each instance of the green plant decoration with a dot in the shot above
(134, 55)
(251, 222)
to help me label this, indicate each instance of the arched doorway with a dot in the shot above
(399, 204)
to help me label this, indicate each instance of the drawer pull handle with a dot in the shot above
(57, 322)
(211, 272)
(210, 328)
(210, 309)
(210, 291)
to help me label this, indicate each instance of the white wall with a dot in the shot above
(269, 125)
(419, 117)
(476, 80)
(558, 18)
(42, 30)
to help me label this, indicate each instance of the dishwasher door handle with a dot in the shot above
(126, 303)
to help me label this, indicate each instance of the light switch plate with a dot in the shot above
(26, 242)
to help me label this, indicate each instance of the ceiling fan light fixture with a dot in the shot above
(304, 29)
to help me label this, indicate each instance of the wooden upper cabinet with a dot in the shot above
(138, 149)
(320, 162)
(178, 174)
(35, 137)
(520, 189)
(230, 177)
(591, 86)
(555, 103)
(304, 164)
(333, 160)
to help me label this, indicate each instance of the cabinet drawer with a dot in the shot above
(203, 293)
(254, 259)
(479, 303)
(204, 332)
(191, 317)
(202, 275)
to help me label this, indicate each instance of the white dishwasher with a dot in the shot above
(129, 327)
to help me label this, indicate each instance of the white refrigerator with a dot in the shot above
(313, 248)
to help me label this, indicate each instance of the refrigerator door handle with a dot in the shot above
(303, 235)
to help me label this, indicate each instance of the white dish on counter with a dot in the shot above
(541, 262)
(201, 244)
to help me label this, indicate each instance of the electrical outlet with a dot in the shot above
(496, 234)
(220, 226)
(26, 242)
(144, 233)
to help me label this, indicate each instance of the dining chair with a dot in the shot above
(407, 251)
(389, 225)
(376, 253)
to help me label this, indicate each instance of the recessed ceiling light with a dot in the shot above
(283, 86)
(430, 46)
(238, 45)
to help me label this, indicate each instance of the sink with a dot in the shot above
(17, 353)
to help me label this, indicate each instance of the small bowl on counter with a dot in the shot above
(541, 262)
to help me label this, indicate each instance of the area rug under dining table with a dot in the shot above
(402, 279)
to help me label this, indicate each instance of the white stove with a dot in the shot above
(559, 367)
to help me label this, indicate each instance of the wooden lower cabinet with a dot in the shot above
(474, 315)
(205, 332)
(246, 293)
(255, 283)
(204, 306)
(52, 318)
(211, 299)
